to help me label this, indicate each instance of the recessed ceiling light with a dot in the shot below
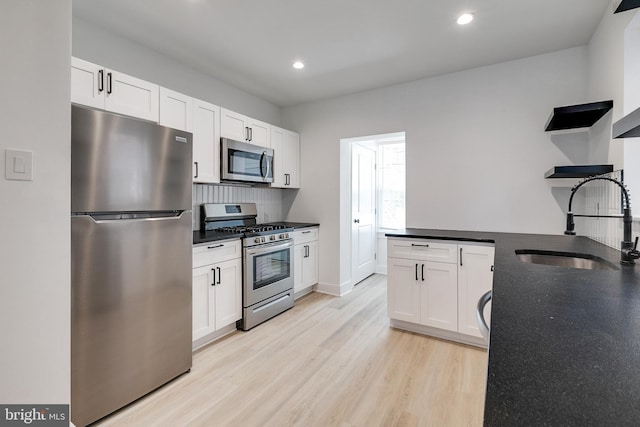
(299, 65)
(465, 18)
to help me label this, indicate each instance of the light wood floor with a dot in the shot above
(329, 361)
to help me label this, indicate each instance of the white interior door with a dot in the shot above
(363, 212)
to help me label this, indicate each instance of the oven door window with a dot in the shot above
(271, 267)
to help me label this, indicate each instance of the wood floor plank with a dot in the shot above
(328, 361)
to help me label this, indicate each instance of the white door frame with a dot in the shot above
(345, 256)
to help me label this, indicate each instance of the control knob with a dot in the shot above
(257, 240)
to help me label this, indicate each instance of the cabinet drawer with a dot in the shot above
(305, 235)
(422, 249)
(214, 252)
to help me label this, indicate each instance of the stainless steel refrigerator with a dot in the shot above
(131, 244)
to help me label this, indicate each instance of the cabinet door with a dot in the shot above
(259, 132)
(203, 302)
(298, 267)
(176, 110)
(279, 156)
(228, 301)
(131, 96)
(87, 83)
(403, 290)
(233, 125)
(292, 159)
(475, 277)
(439, 295)
(310, 265)
(206, 142)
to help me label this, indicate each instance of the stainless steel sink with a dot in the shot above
(564, 259)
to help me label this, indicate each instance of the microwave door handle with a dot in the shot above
(266, 159)
(266, 163)
(262, 156)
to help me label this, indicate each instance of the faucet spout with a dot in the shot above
(628, 250)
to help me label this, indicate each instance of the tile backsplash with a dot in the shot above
(605, 198)
(269, 201)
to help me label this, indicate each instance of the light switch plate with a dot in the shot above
(18, 165)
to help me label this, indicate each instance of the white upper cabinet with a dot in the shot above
(87, 83)
(242, 128)
(206, 142)
(202, 119)
(286, 162)
(176, 110)
(100, 87)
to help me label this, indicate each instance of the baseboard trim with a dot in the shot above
(214, 336)
(438, 333)
(335, 290)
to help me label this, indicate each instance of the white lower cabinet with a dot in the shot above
(475, 278)
(217, 287)
(305, 259)
(433, 286)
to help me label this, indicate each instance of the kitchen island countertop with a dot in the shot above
(565, 343)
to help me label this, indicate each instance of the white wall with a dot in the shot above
(35, 41)
(95, 44)
(476, 149)
(606, 81)
(614, 61)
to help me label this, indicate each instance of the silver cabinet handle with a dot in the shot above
(482, 324)
(460, 256)
(422, 246)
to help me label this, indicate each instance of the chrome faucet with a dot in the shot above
(628, 249)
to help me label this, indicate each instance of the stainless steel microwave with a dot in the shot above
(245, 162)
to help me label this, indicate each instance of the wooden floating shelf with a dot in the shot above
(627, 5)
(579, 171)
(628, 126)
(577, 116)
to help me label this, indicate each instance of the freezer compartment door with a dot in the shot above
(130, 310)
(125, 164)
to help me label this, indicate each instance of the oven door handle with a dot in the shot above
(263, 249)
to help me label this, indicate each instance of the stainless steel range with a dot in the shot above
(267, 259)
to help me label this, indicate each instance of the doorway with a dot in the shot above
(376, 196)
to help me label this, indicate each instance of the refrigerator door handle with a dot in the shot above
(135, 217)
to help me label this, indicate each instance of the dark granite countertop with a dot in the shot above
(296, 225)
(565, 343)
(200, 237)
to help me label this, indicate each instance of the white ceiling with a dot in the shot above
(347, 45)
